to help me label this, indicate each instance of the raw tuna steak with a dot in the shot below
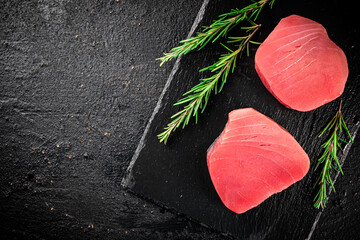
(252, 159)
(300, 65)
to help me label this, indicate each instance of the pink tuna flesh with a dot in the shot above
(300, 65)
(252, 159)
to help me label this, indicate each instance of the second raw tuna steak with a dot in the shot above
(252, 159)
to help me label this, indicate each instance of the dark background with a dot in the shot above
(79, 82)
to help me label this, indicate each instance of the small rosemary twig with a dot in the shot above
(219, 28)
(329, 156)
(198, 97)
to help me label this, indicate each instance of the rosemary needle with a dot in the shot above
(329, 157)
(219, 28)
(198, 97)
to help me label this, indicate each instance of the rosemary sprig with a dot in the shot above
(336, 126)
(198, 97)
(219, 28)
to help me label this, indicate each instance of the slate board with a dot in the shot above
(176, 176)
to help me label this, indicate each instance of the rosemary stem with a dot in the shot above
(336, 126)
(198, 96)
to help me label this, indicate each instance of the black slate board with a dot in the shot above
(176, 176)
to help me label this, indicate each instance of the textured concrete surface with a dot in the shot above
(78, 82)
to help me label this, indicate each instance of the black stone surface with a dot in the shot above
(78, 82)
(176, 175)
